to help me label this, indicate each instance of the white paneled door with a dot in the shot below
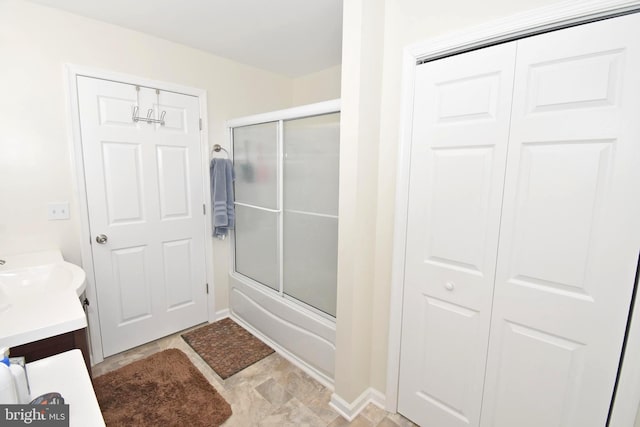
(459, 149)
(517, 294)
(570, 230)
(145, 196)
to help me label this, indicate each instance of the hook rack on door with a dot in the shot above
(148, 119)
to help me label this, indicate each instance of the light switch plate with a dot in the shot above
(57, 211)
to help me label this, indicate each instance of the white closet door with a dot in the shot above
(570, 229)
(458, 155)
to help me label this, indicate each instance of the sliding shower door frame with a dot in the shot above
(281, 207)
(279, 117)
(299, 332)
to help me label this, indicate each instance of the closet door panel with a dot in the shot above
(460, 134)
(570, 230)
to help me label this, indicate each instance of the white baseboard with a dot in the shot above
(377, 398)
(222, 314)
(351, 410)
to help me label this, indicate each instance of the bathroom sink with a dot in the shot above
(42, 279)
(39, 297)
(39, 273)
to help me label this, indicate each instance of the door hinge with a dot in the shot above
(207, 285)
(200, 122)
(204, 209)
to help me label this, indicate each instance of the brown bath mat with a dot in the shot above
(165, 389)
(226, 346)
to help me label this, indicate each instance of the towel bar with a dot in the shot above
(217, 148)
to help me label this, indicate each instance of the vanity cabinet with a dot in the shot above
(46, 347)
(40, 310)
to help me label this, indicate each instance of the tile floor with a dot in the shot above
(271, 392)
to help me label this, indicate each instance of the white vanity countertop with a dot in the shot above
(32, 317)
(39, 318)
(66, 373)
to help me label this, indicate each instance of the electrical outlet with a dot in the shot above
(57, 211)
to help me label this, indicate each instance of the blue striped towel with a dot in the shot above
(222, 177)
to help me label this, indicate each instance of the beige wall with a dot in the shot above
(35, 148)
(361, 84)
(320, 86)
(405, 22)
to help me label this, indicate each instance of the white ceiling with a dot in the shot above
(290, 37)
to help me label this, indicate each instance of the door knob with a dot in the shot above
(449, 286)
(101, 238)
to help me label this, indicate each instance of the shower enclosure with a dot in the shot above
(283, 278)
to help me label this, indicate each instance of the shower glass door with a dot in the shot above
(286, 235)
(311, 166)
(257, 241)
